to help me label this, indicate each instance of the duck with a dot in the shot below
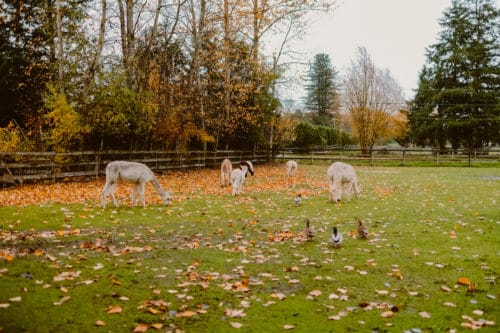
(308, 232)
(362, 230)
(336, 237)
(298, 199)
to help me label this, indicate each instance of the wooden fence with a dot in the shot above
(395, 156)
(20, 167)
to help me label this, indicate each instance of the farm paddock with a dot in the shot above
(210, 261)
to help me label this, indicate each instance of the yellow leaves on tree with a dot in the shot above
(10, 138)
(65, 128)
(370, 126)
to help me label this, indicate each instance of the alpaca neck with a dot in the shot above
(157, 186)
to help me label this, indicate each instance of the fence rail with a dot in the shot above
(395, 156)
(18, 167)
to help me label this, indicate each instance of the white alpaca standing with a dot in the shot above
(291, 168)
(238, 176)
(225, 172)
(135, 172)
(342, 180)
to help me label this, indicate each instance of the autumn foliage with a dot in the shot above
(181, 184)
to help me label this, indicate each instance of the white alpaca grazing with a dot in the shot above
(342, 180)
(225, 172)
(238, 176)
(291, 168)
(135, 172)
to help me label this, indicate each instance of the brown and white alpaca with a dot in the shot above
(135, 172)
(291, 168)
(238, 176)
(342, 180)
(225, 172)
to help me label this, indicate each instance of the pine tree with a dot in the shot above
(457, 101)
(321, 89)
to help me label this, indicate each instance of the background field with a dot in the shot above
(212, 262)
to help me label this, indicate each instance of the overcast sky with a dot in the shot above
(394, 32)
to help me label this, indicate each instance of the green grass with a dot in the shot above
(196, 254)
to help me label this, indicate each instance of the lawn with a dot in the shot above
(211, 262)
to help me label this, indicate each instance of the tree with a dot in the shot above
(457, 100)
(65, 129)
(371, 96)
(321, 89)
(24, 60)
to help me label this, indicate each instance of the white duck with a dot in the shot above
(336, 237)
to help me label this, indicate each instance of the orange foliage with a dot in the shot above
(182, 185)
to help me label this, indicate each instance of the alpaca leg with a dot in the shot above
(104, 194)
(347, 190)
(111, 191)
(134, 192)
(356, 188)
(141, 192)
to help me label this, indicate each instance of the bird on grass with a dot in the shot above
(336, 238)
(298, 199)
(308, 232)
(362, 231)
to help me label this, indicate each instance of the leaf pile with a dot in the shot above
(182, 184)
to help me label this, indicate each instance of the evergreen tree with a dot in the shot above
(321, 89)
(457, 101)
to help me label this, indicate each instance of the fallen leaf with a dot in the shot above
(114, 309)
(236, 325)
(185, 314)
(157, 326)
(100, 323)
(424, 314)
(315, 293)
(387, 314)
(141, 328)
(289, 327)
(235, 313)
(464, 281)
(62, 300)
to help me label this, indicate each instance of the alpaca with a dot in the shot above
(238, 176)
(342, 180)
(135, 172)
(225, 172)
(291, 168)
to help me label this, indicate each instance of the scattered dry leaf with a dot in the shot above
(100, 323)
(114, 309)
(141, 328)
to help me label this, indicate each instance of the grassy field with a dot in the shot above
(210, 262)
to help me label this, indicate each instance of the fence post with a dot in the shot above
(470, 157)
(404, 157)
(371, 157)
(437, 157)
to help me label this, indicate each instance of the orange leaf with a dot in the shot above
(186, 314)
(114, 309)
(464, 281)
(157, 325)
(100, 323)
(141, 328)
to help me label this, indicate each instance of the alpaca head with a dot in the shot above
(335, 193)
(248, 165)
(165, 197)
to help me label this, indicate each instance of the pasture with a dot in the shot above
(211, 262)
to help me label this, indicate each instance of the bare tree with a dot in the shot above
(371, 96)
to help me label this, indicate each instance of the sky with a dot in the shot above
(394, 32)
